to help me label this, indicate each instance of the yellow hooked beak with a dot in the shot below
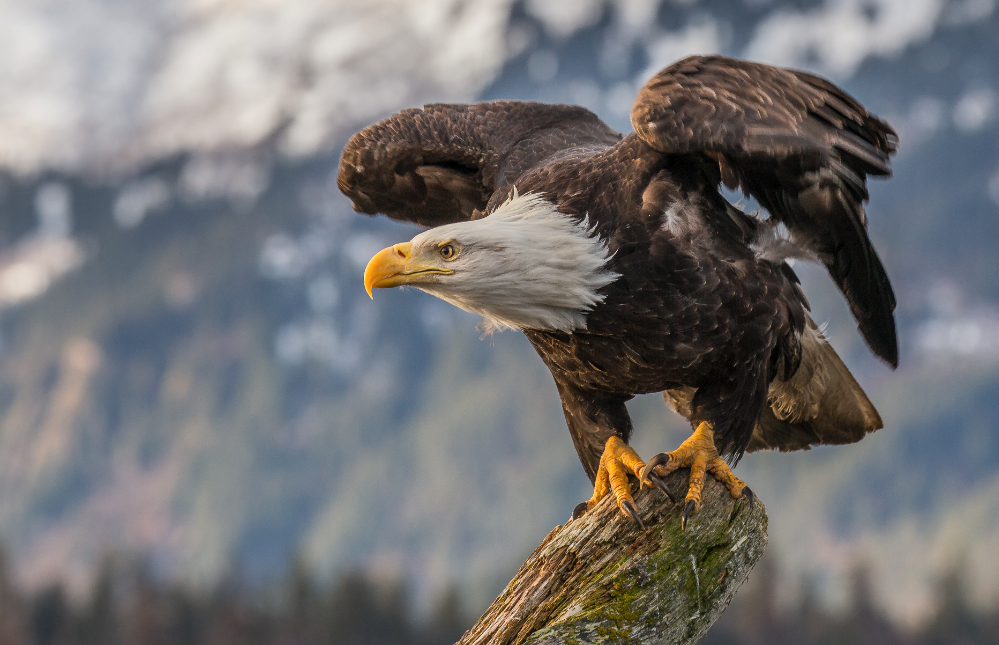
(395, 266)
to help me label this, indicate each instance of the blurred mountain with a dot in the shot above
(191, 369)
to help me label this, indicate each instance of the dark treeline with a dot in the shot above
(753, 618)
(127, 606)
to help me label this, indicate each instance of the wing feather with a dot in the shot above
(802, 147)
(442, 163)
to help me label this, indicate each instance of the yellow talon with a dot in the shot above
(617, 462)
(699, 454)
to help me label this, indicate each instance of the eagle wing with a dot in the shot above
(442, 163)
(798, 144)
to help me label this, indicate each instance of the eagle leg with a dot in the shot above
(699, 454)
(618, 461)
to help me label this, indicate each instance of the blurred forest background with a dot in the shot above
(208, 433)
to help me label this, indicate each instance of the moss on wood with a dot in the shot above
(602, 579)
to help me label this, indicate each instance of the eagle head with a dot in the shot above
(524, 266)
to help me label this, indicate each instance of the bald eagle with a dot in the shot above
(629, 271)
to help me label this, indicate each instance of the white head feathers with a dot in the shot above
(526, 265)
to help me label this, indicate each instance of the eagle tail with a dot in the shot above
(822, 403)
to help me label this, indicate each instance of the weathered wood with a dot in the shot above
(602, 579)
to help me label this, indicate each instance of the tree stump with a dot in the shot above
(602, 579)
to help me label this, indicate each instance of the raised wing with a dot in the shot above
(442, 163)
(798, 144)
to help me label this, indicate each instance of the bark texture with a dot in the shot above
(602, 579)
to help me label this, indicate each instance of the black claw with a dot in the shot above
(658, 482)
(659, 460)
(750, 495)
(687, 510)
(579, 511)
(630, 509)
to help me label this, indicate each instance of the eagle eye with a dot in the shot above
(447, 251)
